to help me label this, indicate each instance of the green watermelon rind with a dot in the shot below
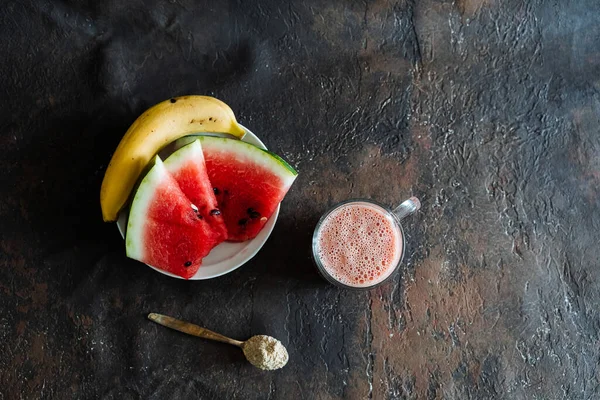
(139, 209)
(281, 161)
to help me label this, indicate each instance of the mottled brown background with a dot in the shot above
(488, 110)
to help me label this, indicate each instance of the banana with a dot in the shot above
(155, 128)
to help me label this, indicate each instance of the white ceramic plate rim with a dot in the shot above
(227, 256)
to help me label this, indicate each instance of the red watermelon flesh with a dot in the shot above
(164, 230)
(249, 183)
(188, 167)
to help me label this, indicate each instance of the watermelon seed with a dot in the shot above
(215, 212)
(194, 208)
(243, 221)
(199, 216)
(253, 214)
(217, 191)
(173, 100)
(187, 264)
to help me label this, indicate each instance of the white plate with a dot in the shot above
(227, 256)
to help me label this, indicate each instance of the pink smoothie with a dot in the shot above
(359, 244)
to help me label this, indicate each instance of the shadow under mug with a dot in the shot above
(396, 215)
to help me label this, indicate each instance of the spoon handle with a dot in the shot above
(191, 329)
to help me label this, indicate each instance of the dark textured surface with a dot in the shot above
(488, 110)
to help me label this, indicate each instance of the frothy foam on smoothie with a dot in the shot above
(359, 245)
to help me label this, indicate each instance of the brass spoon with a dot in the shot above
(264, 352)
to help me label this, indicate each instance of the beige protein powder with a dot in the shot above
(265, 352)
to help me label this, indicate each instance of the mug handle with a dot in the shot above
(407, 207)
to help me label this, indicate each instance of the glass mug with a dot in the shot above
(358, 244)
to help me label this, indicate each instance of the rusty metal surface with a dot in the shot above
(487, 110)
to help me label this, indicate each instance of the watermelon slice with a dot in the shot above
(249, 183)
(166, 229)
(188, 168)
